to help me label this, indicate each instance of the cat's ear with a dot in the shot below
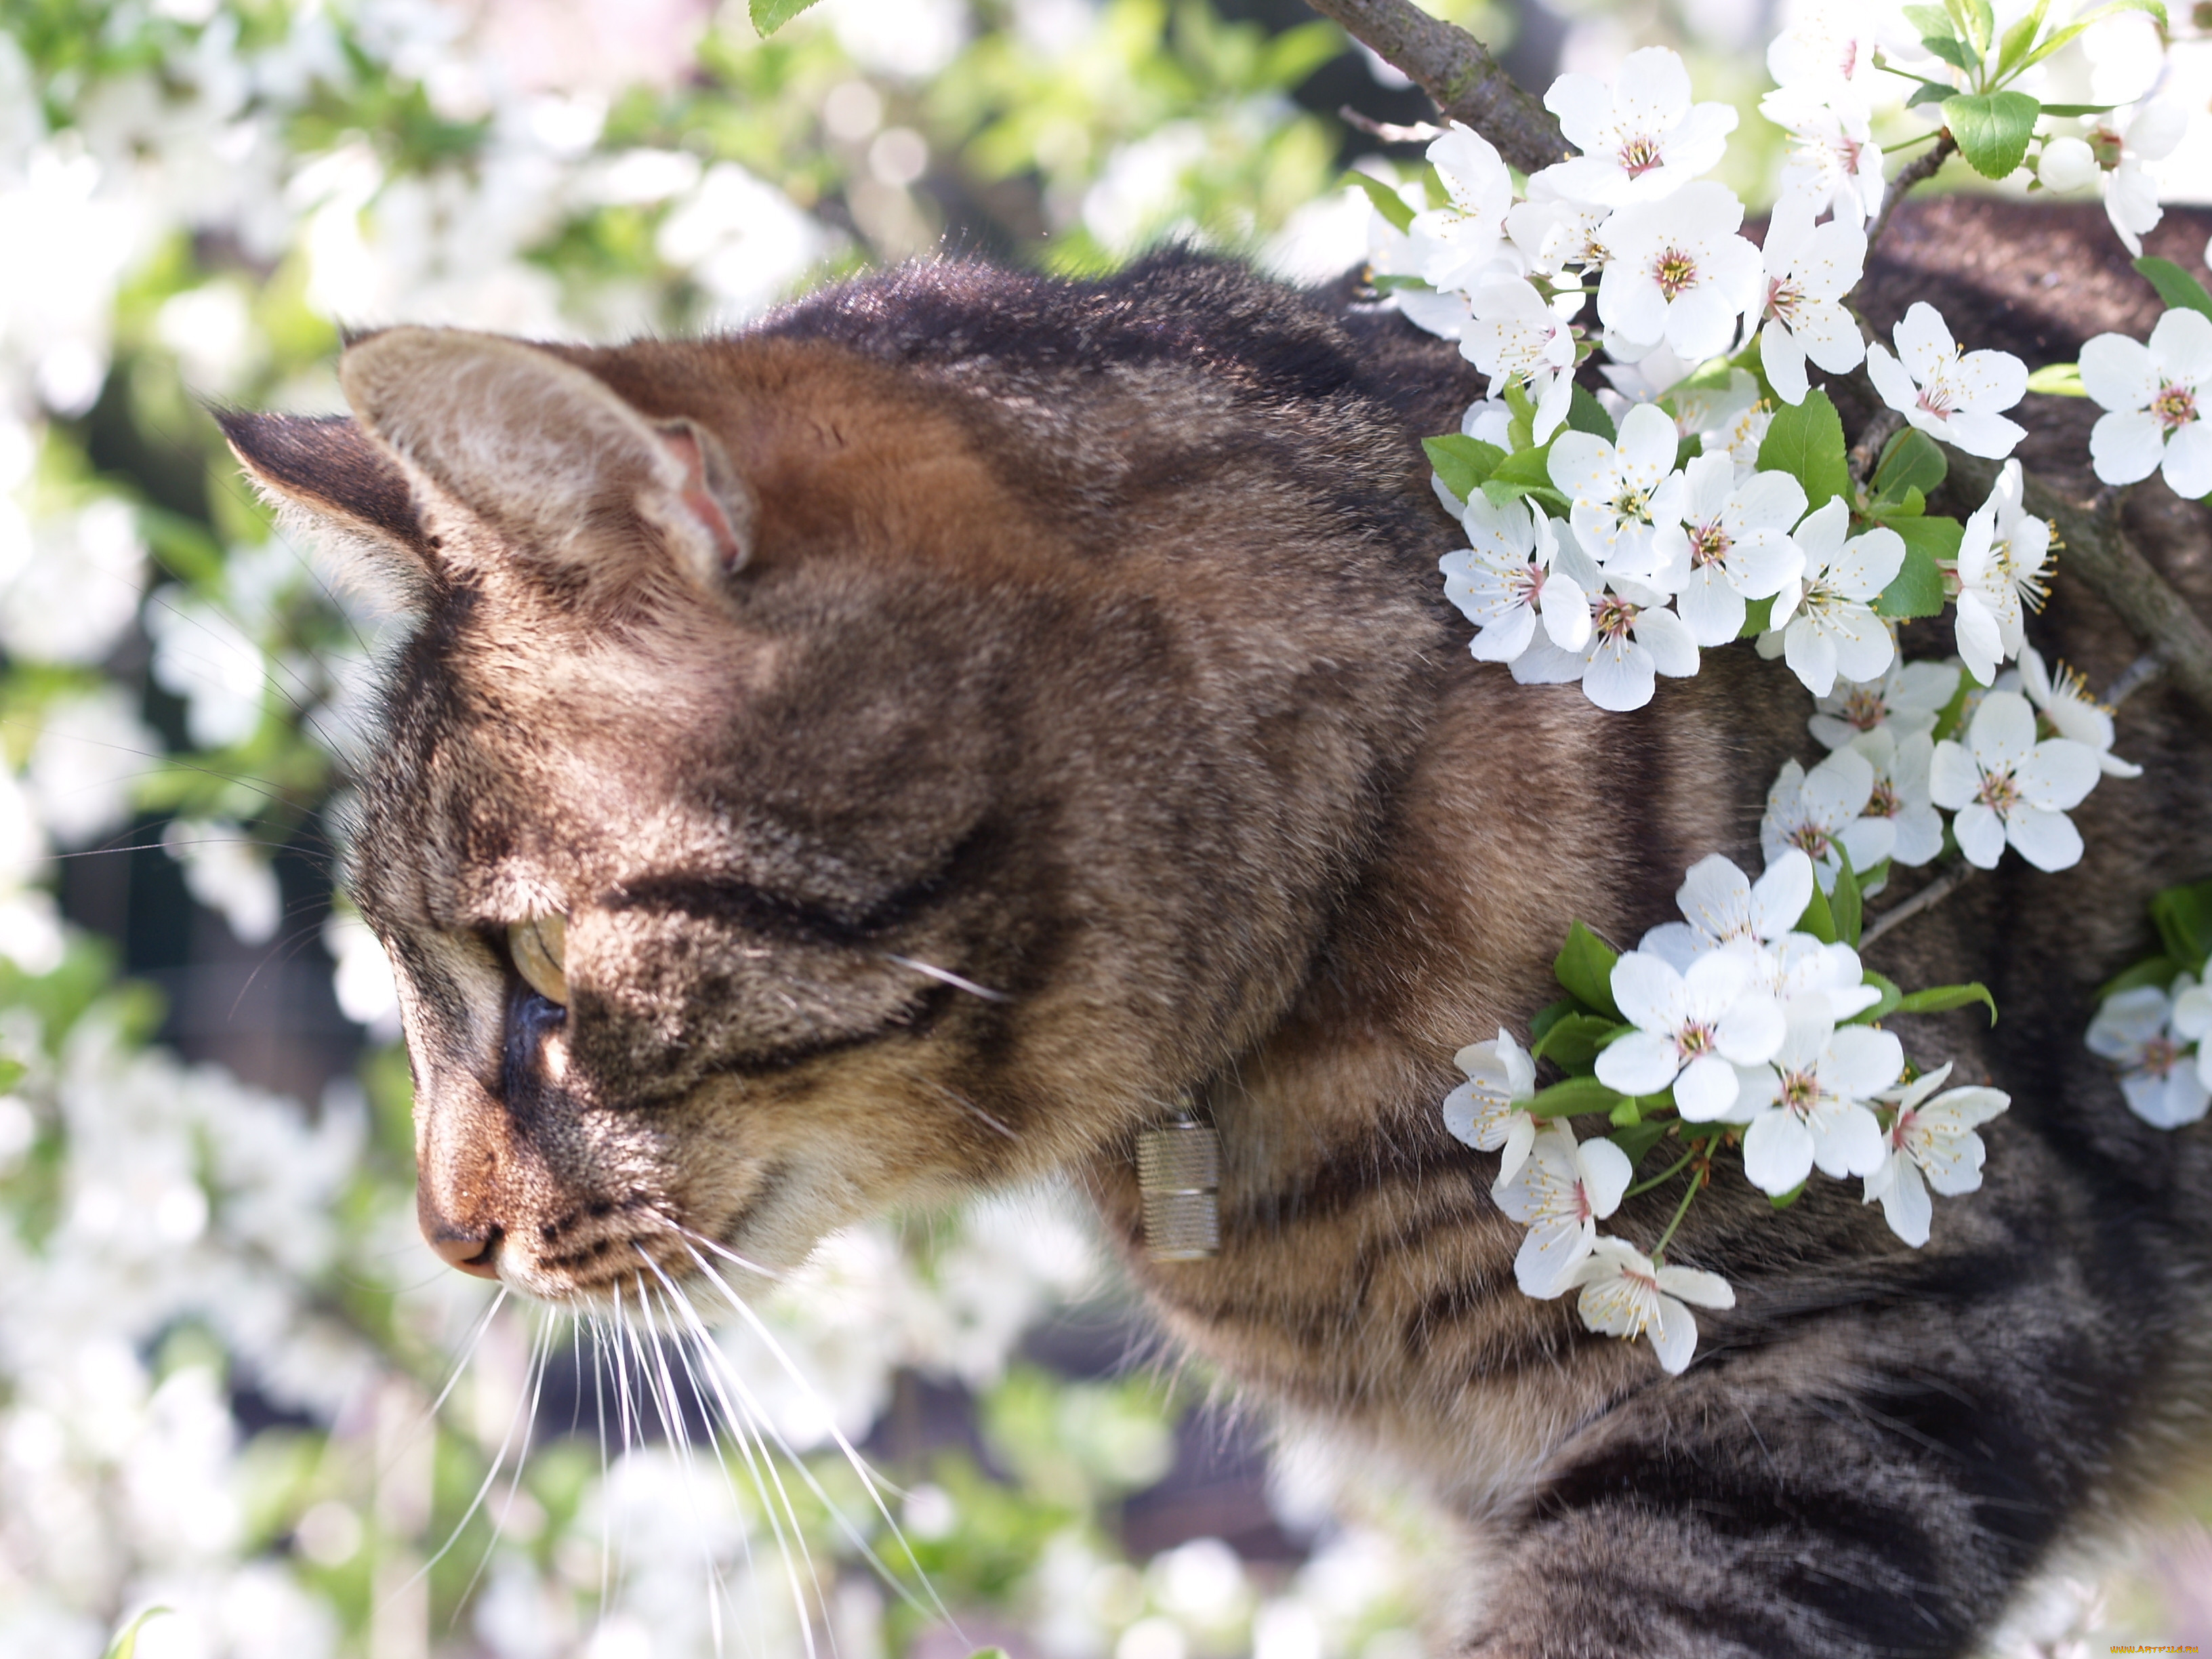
(548, 455)
(328, 472)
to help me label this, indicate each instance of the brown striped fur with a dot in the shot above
(1087, 642)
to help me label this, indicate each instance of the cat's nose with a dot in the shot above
(473, 1250)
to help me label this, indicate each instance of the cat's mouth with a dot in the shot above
(609, 1253)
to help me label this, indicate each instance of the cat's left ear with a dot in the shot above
(547, 454)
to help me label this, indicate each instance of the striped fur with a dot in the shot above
(1087, 649)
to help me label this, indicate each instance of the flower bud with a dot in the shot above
(2066, 164)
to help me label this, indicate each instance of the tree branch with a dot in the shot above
(1457, 72)
(1926, 899)
(2099, 552)
(1924, 166)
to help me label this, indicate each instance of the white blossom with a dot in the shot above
(1627, 502)
(1453, 244)
(1809, 270)
(1900, 791)
(1826, 52)
(1738, 542)
(1625, 1294)
(1948, 394)
(1555, 232)
(1489, 1110)
(1679, 273)
(2140, 1031)
(1632, 639)
(1512, 334)
(2155, 395)
(1504, 579)
(1641, 142)
(1694, 1027)
(2003, 559)
(1816, 1097)
(1907, 698)
(1721, 906)
(2006, 787)
(1817, 811)
(1828, 624)
(1560, 1194)
(2154, 132)
(1930, 1143)
(2064, 700)
(1832, 162)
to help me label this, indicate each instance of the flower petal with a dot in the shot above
(1673, 1336)
(2046, 840)
(2119, 374)
(2188, 464)
(2126, 445)
(1641, 1063)
(1981, 836)
(1606, 1175)
(1904, 1204)
(1777, 1152)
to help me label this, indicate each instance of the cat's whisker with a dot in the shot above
(516, 1420)
(679, 1436)
(736, 1422)
(693, 1237)
(725, 1377)
(599, 1407)
(541, 1350)
(859, 1464)
(469, 1344)
(965, 1104)
(946, 977)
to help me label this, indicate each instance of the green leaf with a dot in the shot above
(769, 15)
(1953, 714)
(2175, 286)
(2060, 38)
(1638, 1139)
(2018, 38)
(2058, 380)
(1387, 201)
(1910, 460)
(1784, 1200)
(1940, 998)
(1575, 1097)
(1498, 492)
(1462, 462)
(1819, 918)
(1929, 20)
(1550, 1014)
(126, 1644)
(1758, 618)
(1586, 414)
(1917, 589)
(1627, 1115)
(1521, 416)
(1807, 441)
(1955, 52)
(1981, 23)
(1845, 905)
(1891, 996)
(2183, 916)
(2152, 970)
(1584, 967)
(1911, 505)
(1992, 128)
(2079, 109)
(1572, 1043)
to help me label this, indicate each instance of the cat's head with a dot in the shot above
(797, 797)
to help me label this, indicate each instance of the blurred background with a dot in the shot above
(233, 1382)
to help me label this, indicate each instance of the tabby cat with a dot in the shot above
(917, 743)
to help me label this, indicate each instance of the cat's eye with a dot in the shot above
(540, 949)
